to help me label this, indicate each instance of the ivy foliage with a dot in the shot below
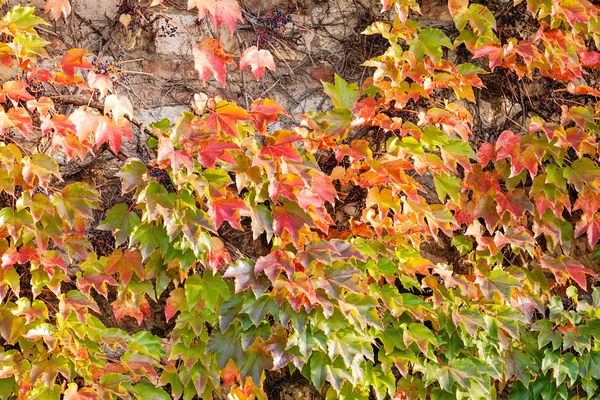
(357, 309)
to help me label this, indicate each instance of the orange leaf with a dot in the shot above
(264, 111)
(209, 57)
(56, 7)
(74, 58)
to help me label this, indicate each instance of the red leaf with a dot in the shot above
(486, 153)
(280, 144)
(175, 302)
(112, 132)
(217, 254)
(508, 145)
(577, 272)
(588, 202)
(264, 111)
(275, 263)
(284, 185)
(591, 226)
(258, 60)
(291, 218)
(211, 149)
(493, 50)
(516, 202)
(74, 58)
(219, 11)
(210, 58)
(590, 59)
(125, 264)
(227, 209)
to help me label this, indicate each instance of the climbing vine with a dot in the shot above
(358, 307)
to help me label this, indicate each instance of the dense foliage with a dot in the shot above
(355, 306)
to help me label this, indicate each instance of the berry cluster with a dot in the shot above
(140, 15)
(9, 135)
(36, 88)
(163, 178)
(112, 70)
(273, 22)
(103, 242)
(166, 29)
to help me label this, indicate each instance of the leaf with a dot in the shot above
(150, 237)
(243, 272)
(429, 43)
(281, 145)
(56, 7)
(257, 309)
(209, 288)
(226, 346)
(289, 217)
(118, 106)
(125, 263)
(275, 263)
(256, 360)
(318, 363)
(39, 169)
(258, 60)
(121, 221)
(228, 209)
(262, 221)
(112, 131)
(265, 111)
(497, 281)
(16, 91)
(76, 204)
(209, 56)
(132, 175)
(74, 58)
(421, 335)
(225, 118)
(147, 391)
(458, 371)
(447, 185)
(21, 19)
(342, 94)
(219, 11)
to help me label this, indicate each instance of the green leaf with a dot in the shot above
(132, 175)
(150, 237)
(318, 363)
(78, 201)
(209, 288)
(257, 309)
(227, 346)
(463, 244)
(562, 365)
(147, 391)
(429, 43)
(460, 372)
(341, 93)
(39, 169)
(21, 19)
(421, 335)
(121, 220)
(498, 281)
(448, 185)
